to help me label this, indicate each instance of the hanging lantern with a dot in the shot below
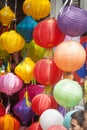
(72, 21)
(33, 50)
(37, 8)
(10, 83)
(46, 72)
(25, 28)
(66, 56)
(2, 110)
(67, 93)
(83, 39)
(35, 126)
(57, 127)
(25, 70)
(47, 34)
(7, 122)
(6, 16)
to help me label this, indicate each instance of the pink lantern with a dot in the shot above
(10, 83)
(57, 127)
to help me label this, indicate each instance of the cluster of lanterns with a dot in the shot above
(34, 39)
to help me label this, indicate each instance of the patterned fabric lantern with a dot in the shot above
(57, 127)
(11, 41)
(6, 16)
(51, 74)
(66, 56)
(25, 70)
(72, 21)
(47, 33)
(37, 8)
(10, 83)
(25, 28)
(2, 110)
(7, 122)
(35, 126)
(67, 93)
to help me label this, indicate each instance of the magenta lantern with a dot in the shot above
(35, 126)
(47, 33)
(57, 127)
(10, 83)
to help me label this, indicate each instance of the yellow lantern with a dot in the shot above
(25, 70)
(11, 41)
(37, 8)
(6, 15)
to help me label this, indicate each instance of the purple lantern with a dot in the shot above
(10, 83)
(73, 21)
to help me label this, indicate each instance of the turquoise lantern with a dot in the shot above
(25, 28)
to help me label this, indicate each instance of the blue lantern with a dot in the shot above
(25, 28)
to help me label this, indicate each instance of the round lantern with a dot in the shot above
(2, 110)
(51, 74)
(6, 16)
(33, 50)
(11, 41)
(7, 122)
(72, 21)
(47, 33)
(38, 103)
(25, 28)
(49, 118)
(35, 126)
(57, 127)
(37, 8)
(66, 56)
(10, 83)
(25, 70)
(67, 93)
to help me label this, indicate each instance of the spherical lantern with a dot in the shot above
(25, 70)
(47, 33)
(57, 127)
(50, 76)
(66, 56)
(37, 8)
(6, 16)
(72, 21)
(2, 110)
(11, 41)
(7, 122)
(38, 103)
(35, 126)
(10, 83)
(49, 118)
(67, 93)
(25, 28)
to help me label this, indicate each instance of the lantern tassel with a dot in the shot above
(27, 99)
(48, 89)
(8, 68)
(48, 53)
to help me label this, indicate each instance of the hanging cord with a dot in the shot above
(15, 11)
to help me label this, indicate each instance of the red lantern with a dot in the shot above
(69, 56)
(83, 39)
(46, 72)
(35, 126)
(47, 34)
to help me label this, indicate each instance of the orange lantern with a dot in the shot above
(6, 15)
(69, 56)
(11, 41)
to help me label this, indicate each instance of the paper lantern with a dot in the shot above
(10, 83)
(6, 16)
(72, 21)
(57, 127)
(49, 118)
(38, 103)
(25, 28)
(11, 41)
(62, 110)
(8, 122)
(23, 111)
(66, 56)
(47, 33)
(37, 8)
(50, 76)
(35, 126)
(33, 50)
(25, 70)
(83, 39)
(67, 93)
(2, 110)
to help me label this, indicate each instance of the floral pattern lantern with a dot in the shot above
(66, 56)
(10, 83)
(37, 8)
(25, 70)
(25, 28)
(11, 41)
(47, 33)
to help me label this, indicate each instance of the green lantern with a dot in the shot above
(67, 93)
